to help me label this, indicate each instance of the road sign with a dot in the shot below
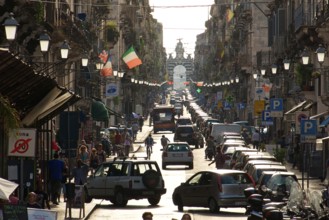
(308, 130)
(298, 118)
(266, 118)
(259, 106)
(22, 142)
(276, 107)
(112, 90)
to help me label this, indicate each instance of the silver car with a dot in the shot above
(177, 153)
(213, 189)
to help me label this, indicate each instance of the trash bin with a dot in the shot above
(70, 190)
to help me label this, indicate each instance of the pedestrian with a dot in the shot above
(63, 158)
(164, 142)
(147, 216)
(245, 135)
(127, 142)
(42, 196)
(117, 142)
(149, 142)
(112, 143)
(83, 154)
(32, 201)
(55, 168)
(186, 216)
(211, 146)
(141, 123)
(219, 159)
(135, 128)
(101, 154)
(80, 173)
(13, 199)
(296, 152)
(94, 161)
(255, 139)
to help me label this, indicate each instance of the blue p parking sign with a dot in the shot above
(308, 131)
(276, 107)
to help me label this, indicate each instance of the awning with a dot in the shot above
(324, 123)
(28, 90)
(302, 106)
(99, 111)
(319, 115)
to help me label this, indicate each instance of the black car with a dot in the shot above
(186, 133)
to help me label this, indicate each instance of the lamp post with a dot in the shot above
(44, 40)
(320, 52)
(305, 57)
(65, 50)
(84, 60)
(10, 27)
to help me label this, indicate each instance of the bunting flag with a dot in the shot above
(229, 15)
(267, 87)
(131, 59)
(107, 68)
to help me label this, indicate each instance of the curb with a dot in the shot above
(91, 211)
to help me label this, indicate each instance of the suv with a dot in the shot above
(186, 133)
(121, 180)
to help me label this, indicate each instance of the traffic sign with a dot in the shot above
(276, 107)
(308, 130)
(259, 106)
(298, 118)
(266, 118)
(22, 142)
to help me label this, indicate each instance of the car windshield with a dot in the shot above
(185, 130)
(177, 148)
(235, 178)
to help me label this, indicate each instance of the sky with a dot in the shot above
(181, 21)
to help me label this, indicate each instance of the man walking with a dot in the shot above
(56, 168)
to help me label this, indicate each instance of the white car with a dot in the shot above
(177, 153)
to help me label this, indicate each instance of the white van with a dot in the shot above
(218, 130)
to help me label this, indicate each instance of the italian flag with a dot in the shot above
(131, 59)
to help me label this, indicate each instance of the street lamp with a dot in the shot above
(65, 50)
(10, 27)
(286, 64)
(254, 75)
(115, 73)
(274, 68)
(84, 60)
(237, 79)
(44, 40)
(263, 71)
(99, 65)
(320, 52)
(305, 57)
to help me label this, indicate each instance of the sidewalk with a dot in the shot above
(89, 207)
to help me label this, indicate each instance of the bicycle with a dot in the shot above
(148, 151)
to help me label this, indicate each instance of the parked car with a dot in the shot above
(186, 133)
(213, 189)
(233, 143)
(228, 155)
(177, 153)
(121, 180)
(237, 154)
(255, 171)
(259, 162)
(246, 156)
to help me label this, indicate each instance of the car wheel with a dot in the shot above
(151, 179)
(191, 166)
(213, 206)
(88, 198)
(154, 200)
(120, 199)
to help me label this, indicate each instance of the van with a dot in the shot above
(218, 130)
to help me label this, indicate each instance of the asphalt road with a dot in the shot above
(173, 176)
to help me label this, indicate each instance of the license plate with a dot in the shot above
(147, 193)
(240, 203)
(177, 155)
